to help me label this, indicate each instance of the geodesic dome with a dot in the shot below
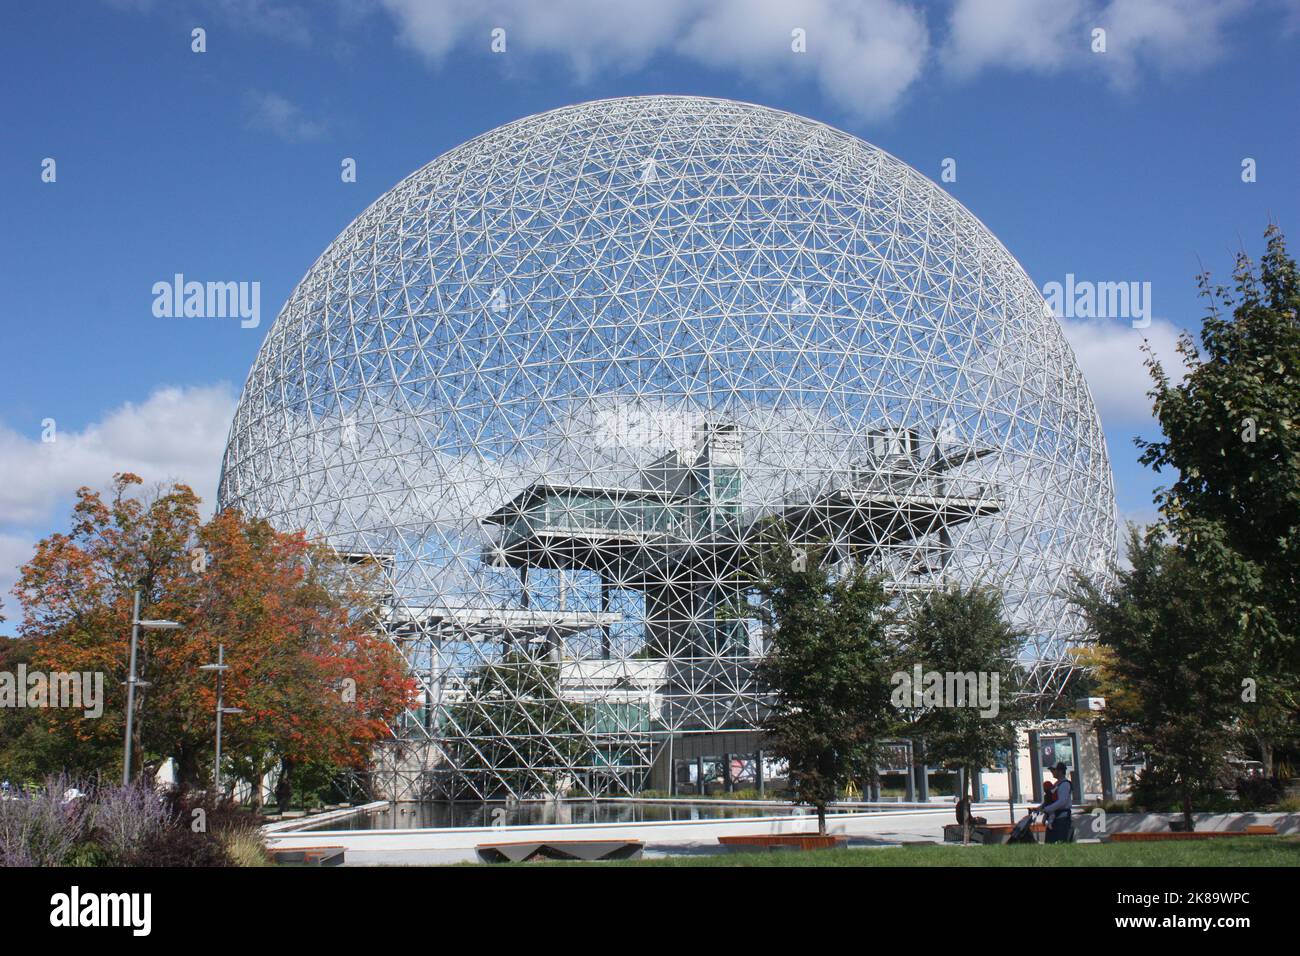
(547, 383)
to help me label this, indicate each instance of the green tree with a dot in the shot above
(962, 635)
(827, 666)
(1177, 654)
(515, 726)
(1230, 432)
(1229, 426)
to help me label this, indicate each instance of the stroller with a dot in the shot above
(1021, 832)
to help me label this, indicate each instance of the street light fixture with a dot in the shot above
(132, 681)
(219, 668)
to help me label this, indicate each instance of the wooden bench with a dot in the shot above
(310, 855)
(991, 833)
(1140, 837)
(586, 850)
(783, 841)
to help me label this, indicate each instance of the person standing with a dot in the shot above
(1058, 807)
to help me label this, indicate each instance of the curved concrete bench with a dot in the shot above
(587, 850)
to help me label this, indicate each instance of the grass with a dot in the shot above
(1243, 851)
(246, 848)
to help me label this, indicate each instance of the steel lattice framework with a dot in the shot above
(550, 383)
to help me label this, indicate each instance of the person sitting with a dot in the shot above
(1057, 809)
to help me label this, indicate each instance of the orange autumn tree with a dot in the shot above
(76, 595)
(315, 684)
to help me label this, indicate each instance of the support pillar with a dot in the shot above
(1013, 772)
(1107, 764)
(1035, 770)
(922, 773)
(909, 778)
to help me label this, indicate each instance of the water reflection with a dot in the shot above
(410, 816)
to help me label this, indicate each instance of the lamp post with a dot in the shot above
(132, 681)
(219, 668)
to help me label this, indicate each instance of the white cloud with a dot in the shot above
(588, 34)
(15, 551)
(864, 54)
(285, 119)
(1110, 355)
(1013, 34)
(176, 434)
(1046, 37)
(1170, 35)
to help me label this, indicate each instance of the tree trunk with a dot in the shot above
(284, 787)
(1265, 755)
(967, 825)
(256, 798)
(821, 819)
(1188, 822)
(187, 768)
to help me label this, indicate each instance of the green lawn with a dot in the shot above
(1243, 851)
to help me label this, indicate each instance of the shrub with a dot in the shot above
(123, 818)
(39, 827)
(124, 826)
(1156, 790)
(178, 845)
(90, 854)
(224, 824)
(1256, 792)
(245, 847)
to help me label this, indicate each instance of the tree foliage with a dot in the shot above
(514, 724)
(1231, 435)
(314, 683)
(1230, 432)
(828, 666)
(1199, 639)
(1177, 655)
(964, 631)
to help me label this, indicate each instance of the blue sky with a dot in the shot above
(1115, 166)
